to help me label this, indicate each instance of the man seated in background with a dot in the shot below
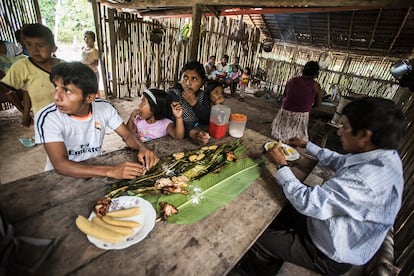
(343, 222)
(210, 66)
(222, 69)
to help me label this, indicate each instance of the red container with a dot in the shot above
(219, 119)
(217, 131)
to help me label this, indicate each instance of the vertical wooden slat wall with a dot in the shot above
(132, 62)
(14, 14)
(352, 73)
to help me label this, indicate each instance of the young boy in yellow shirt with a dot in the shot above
(32, 73)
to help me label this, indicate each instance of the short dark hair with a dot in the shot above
(225, 56)
(78, 74)
(211, 85)
(17, 35)
(91, 34)
(196, 66)
(37, 30)
(161, 109)
(379, 115)
(311, 69)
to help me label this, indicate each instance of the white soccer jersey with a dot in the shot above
(83, 138)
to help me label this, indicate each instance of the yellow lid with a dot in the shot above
(237, 117)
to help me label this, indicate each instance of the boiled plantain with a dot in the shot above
(124, 213)
(125, 231)
(98, 232)
(119, 222)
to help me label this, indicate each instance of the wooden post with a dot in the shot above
(112, 42)
(195, 32)
(99, 40)
(37, 11)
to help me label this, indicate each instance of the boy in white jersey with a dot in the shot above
(73, 127)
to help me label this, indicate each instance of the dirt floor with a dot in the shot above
(18, 161)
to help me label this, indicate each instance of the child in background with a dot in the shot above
(195, 103)
(32, 73)
(234, 80)
(90, 55)
(244, 81)
(210, 65)
(213, 74)
(150, 121)
(215, 92)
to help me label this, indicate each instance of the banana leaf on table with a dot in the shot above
(214, 181)
(215, 157)
(213, 191)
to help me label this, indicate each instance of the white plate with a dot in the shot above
(294, 154)
(146, 219)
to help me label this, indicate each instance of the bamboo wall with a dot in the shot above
(132, 62)
(14, 14)
(351, 73)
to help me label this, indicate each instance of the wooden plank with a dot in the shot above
(112, 44)
(267, 3)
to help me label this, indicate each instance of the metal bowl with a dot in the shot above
(400, 68)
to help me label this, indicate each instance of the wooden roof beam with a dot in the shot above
(375, 29)
(280, 30)
(210, 10)
(329, 29)
(266, 31)
(172, 13)
(294, 27)
(401, 27)
(143, 4)
(213, 10)
(351, 26)
(238, 11)
(310, 28)
(251, 20)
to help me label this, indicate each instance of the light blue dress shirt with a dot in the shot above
(350, 214)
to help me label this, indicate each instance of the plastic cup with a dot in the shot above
(237, 125)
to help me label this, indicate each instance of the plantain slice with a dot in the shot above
(120, 222)
(124, 213)
(125, 231)
(98, 232)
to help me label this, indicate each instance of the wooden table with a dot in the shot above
(46, 206)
